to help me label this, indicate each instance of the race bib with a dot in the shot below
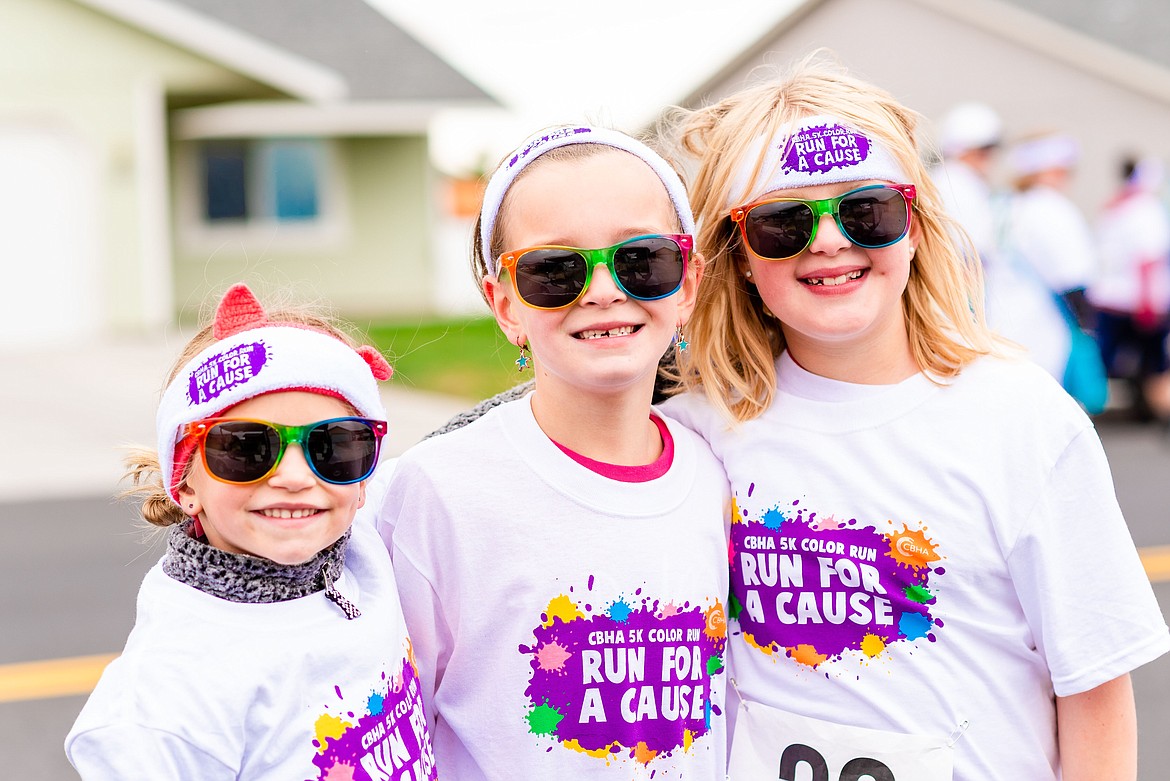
(771, 744)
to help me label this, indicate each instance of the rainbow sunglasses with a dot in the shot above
(242, 451)
(646, 267)
(871, 217)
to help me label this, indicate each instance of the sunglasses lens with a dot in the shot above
(240, 451)
(550, 278)
(874, 217)
(342, 451)
(649, 268)
(779, 230)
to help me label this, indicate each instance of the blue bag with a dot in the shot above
(1085, 378)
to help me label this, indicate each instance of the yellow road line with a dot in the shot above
(1156, 560)
(78, 675)
(51, 677)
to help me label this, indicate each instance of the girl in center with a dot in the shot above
(561, 559)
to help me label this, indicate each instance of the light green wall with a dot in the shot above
(379, 268)
(390, 190)
(64, 65)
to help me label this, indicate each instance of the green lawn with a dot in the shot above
(466, 357)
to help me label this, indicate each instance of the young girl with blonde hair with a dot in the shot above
(931, 577)
(562, 558)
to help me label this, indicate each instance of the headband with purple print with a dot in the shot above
(253, 356)
(821, 150)
(568, 135)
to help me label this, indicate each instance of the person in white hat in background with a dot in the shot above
(969, 138)
(1132, 292)
(1045, 259)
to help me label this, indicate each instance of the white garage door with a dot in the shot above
(48, 241)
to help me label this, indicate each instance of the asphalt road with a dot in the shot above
(70, 569)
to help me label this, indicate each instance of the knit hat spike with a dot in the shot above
(238, 310)
(379, 366)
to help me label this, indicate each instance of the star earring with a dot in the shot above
(523, 361)
(680, 342)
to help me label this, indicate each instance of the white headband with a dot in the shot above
(821, 150)
(541, 142)
(258, 357)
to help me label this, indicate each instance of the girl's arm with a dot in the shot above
(1097, 732)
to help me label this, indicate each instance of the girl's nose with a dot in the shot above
(829, 239)
(603, 288)
(293, 473)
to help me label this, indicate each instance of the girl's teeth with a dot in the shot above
(286, 515)
(831, 281)
(625, 330)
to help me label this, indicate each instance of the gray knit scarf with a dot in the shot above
(238, 577)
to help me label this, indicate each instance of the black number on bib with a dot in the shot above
(864, 767)
(799, 753)
(854, 770)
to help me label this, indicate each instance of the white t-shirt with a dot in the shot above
(1133, 231)
(1044, 248)
(1050, 233)
(209, 689)
(917, 558)
(568, 625)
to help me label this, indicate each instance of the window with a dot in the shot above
(262, 180)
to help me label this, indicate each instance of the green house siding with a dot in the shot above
(67, 67)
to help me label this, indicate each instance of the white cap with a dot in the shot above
(969, 126)
(1044, 153)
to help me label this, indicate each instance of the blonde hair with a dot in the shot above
(735, 340)
(142, 464)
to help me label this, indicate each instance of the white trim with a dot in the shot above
(231, 47)
(246, 119)
(1061, 43)
(151, 154)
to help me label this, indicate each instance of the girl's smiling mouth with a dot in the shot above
(286, 514)
(602, 333)
(840, 279)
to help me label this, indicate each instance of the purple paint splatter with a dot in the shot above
(636, 679)
(224, 371)
(821, 148)
(820, 589)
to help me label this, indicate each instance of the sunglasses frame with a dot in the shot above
(596, 257)
(199, 430)
(820, 208)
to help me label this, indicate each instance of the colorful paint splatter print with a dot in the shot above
(631, 681)
(387, 740)
(816, 589)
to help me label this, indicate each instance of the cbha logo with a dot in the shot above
(907, 547)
